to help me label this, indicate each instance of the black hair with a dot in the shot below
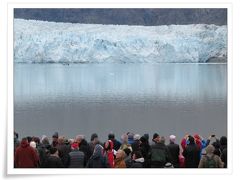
(191, 140)
(111, 136)
(52, 150)
(127, 151)
(93, 136)
(223, 140)
(138, 154)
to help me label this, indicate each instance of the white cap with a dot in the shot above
(136, 137)
(33, 144)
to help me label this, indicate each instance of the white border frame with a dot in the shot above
(11, 170)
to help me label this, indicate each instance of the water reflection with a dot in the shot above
(123, 97)
(164, 81)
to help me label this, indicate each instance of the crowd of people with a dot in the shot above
(132, 151)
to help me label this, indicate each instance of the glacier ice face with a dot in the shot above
(42, 42)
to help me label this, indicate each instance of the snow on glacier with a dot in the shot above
(42, 41)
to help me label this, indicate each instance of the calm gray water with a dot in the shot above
(140, 98)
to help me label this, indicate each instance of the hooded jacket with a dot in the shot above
(26, 156)
(97, 160)
(110, 154)
(191, 154)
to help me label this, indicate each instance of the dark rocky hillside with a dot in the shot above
(128, 16)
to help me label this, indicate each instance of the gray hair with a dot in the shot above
(80, 137)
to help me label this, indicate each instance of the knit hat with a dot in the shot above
(93, 136)
(146, 136)
(55, 135)
(172, 138)
(155, 135)
(74, 145)
(143, 139)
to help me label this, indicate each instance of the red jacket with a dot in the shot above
(26, 156)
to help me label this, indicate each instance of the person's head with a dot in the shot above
(124, 138)
(79, 138)
(162, 139)
(71, 141)
(216, 145)
(24, 142)
(136, 137)
(223, 141)
(191, 140)
(137, 155)
(61, 140)
(143, 140)
(108, 145)
(130, 137)
(146, 136)
(36, 140)
(44, 138)
(15, 135)
(33, 144)
(29, 138)
(98, 150)
(127, 151)
(210, 149)
(120, 154)
(111, 136)
(53, 151)
(197, 137)
(55, 136)
(156, 137)
(172, 138)
(94, 138)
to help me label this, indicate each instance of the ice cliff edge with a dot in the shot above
(44, 42)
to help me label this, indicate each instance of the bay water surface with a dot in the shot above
(101, 98)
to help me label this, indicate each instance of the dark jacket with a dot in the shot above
(64, 150)
(174, 153)
(26, 156)
(97, 161)
(157, 150)
(145, 150)
(191, 154)
(54, 162)
(138, 163)
(85, 148)
(76, 159)
(224, 157)
(43, 151)
(128, 161)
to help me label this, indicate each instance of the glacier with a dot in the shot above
(50, 42)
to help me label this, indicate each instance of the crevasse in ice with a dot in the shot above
(43, 42)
